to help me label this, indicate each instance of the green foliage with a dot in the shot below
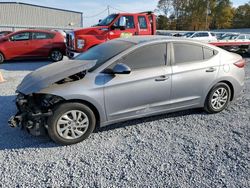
(202, 14)
(162, 22)
(242, 16)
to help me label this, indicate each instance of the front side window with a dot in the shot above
(147, 57)
(20, 36)
(130, 24)
(142, 22)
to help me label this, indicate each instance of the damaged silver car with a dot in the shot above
(125, 79)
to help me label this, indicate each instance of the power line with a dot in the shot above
(96, 14)
(117, 9)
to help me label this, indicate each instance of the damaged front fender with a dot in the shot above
(50, 74)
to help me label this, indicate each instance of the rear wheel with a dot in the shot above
(218, 98)
(1, 58)
(56, 55)
(71, 123)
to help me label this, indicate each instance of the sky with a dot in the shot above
(93, 10)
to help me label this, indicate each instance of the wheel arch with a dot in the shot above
(90, 105)
(230, 85)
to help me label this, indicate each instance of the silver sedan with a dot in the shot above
(125, 79)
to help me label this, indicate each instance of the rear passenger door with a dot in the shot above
(41, 43)
(145, 90)
(194, 70)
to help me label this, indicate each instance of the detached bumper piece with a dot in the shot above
(32, 114)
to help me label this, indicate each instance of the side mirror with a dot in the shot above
(121, 68)
(99, 20)
(5, 39)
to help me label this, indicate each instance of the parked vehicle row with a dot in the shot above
(124, 79)
(32, 44)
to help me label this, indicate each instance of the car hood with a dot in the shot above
(98, 30)
(47, 75)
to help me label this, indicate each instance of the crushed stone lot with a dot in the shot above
(184, 149)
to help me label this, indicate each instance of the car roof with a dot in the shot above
(34, 30)
(152, 38)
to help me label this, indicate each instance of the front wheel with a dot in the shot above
(56, 55)
(218, 98)
(71, 123)
(1, 58)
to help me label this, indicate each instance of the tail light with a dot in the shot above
(241, 63)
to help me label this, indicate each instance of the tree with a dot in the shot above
(197, 14)
(224, 13)
(242, 16)
(162, 22)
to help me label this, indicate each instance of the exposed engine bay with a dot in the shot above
(33, 112)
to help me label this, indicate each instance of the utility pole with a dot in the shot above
(108, 10)
(207, 12)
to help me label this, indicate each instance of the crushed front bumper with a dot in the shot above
(30, 115)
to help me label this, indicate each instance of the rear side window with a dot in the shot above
(208, 53)
(142, 22)
(147, 57)
(242, 37)
(41, 35)
(201, 35)
(187, 53)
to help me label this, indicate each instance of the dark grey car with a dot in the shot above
(125, 79)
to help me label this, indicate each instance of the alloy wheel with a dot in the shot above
(219, 98)
(72, 124)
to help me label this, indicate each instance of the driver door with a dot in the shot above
(19, 45)
(145, 90)
(129, 30)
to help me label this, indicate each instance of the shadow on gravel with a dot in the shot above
(149, 119)
(14, 138)
(24, 65)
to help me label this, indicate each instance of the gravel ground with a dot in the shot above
(184, 149)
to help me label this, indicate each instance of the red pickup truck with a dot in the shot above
(113, 26)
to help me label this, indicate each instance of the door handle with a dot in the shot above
(211, 69)
(161, 78)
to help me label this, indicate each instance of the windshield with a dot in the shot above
(107, 20)
(104, 52)
(189, 34)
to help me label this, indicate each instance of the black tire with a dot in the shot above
(212, 100)
(56, 55)
(61, 110)
(1, 58)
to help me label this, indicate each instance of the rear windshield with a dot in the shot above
(104, 52)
